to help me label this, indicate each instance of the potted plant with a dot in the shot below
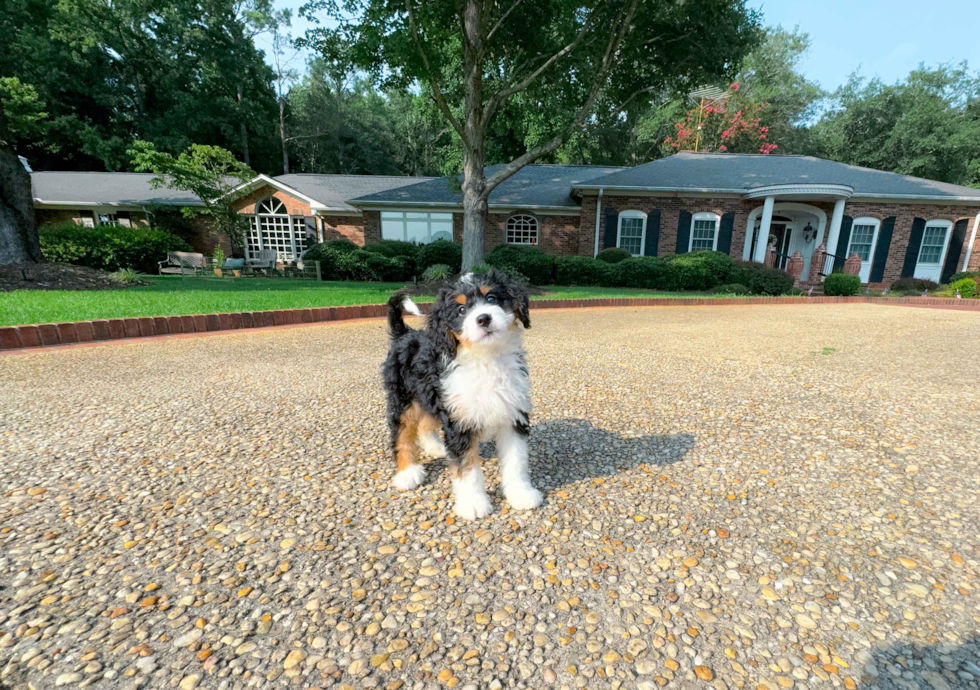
(218, 260)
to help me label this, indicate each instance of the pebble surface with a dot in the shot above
(735, 497)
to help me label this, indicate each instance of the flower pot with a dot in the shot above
(236, 273)
(217, 272)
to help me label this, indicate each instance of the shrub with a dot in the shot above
(731, 289)
(613, 255)
(344, 246)
(340, 264)
(581, 270)
(964, 274)
(123, 276)
(481, 268)
(641, 272)
(108, 247)
(530, 262)
(437, 272)
(967, 288)
(700, 270)
(913, 285)
(393, 248)
(762, 279)
(440, 252)
(841, 284)
(512, 272)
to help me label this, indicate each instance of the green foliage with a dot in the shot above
(441, 252)
(761, 279)
(437, 272)
(613, 255)
(732, 289)
(967, 287)
(342, 246)
(964, 274)
(841, 284)
(916, 284)
(582, 270)
(218, 257)
(531, 263)
(124, 276)
(392, 248)
(481, 268)
(108, 247)
(343, 260)
(701, 270)
(641, 272)
(23, 110)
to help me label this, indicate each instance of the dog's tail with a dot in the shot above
(397, 306)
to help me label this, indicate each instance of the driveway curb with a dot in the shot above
(50, 334)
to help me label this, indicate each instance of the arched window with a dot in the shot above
(522, 229)
(704, 231)
(632, 231)
(272, 228)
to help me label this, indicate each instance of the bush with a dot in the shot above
(343, 246)
(108, 247)
(123, 276)
(762, 279)
(964, 274)
(393, 248)
(913, 285)
(581, 270)
(841, 284)
(641, 272)
(341, 264)
(481, 268)
(440, 252)
(731, 289)
(437, 272)
(967, 288)
(530, 262)
(512, 272)
(613, 255)
(700, 270)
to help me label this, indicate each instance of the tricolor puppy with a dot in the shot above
(466, 375)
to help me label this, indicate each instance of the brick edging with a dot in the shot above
(47, 334)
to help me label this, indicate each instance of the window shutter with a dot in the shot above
(725, 232)
(954, 251)
(915, 241)
(653, 233)
(842, 241)
(683, 232)
(881, 250)
(612, 223)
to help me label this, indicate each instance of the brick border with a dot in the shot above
(51, 334)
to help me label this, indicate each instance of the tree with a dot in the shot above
(20, 116)
(569, 59)
(210, 172)
(730, 124)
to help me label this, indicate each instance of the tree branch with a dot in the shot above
(501, 21)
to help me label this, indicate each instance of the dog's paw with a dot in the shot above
(432, 446)
(524, 497)
(472, 505)
(409, 478)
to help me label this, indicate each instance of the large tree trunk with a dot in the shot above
(19, 242)
(474, 156)
(243, 128)
(282, 136)
(474, 213)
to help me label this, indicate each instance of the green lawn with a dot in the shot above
(171, 295)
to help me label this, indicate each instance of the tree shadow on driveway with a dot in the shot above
(941, 666)
(566, 451)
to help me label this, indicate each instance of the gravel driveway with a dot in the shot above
(770, 497)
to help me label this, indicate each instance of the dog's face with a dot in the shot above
(481, 308)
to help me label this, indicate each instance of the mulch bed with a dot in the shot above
(56, 277)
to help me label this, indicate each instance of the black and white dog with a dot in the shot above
(465, 374)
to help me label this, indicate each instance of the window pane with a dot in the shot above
(392, 229)
(861, 238)
(418, 231)
(417, 215)
(522, 229)
(392, 215)
(631, 235)
(931, 251)
(441, 230)
(703, 235)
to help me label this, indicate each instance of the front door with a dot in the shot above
(864, 237)
(782, 233)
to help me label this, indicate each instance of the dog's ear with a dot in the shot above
(518, 291)
(438, 324)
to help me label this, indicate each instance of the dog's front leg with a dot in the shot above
(469, 486)
(514, 474)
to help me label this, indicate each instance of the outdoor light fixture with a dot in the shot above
(809, 234)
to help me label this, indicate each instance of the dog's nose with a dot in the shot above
(483, 320)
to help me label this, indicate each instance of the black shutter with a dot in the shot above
(725, 233)
(683, 232)
(612, 221)
(311, 234)
(653, 233)
(954, 251)
(842, 241)
(915, 242)
(881, 250)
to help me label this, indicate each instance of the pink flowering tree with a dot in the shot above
(732, 124)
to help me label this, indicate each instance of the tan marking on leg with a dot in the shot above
(428, 425)
(405, 444)
(461, 298)
(468, 462)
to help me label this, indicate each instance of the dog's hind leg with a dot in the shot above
(429, 442)
(404, 439)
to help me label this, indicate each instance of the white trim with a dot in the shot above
(405, 220)
(632, 213)
(260, 180)
(864, 220)
(839, 190)
(969, 246)
(537, 229)
(704, 215)
(122, 206)
(936, 223)
(785, 206)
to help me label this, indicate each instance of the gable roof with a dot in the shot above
(534, 186)
(81, 189)
(741, 173)
(333, 191)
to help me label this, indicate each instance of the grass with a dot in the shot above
(171, 295)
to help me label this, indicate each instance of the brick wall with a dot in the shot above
(294, 206)
(372, 226)
(344, 228)
(559, 235)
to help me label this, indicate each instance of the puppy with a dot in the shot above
(465, 374)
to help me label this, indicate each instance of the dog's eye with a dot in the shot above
(491, 299)
(462, 310)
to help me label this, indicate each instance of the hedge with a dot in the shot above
(700, 270)
(581, 270)
(613, 255)
(841, 284)
(967, 287)
(440, 252)
(914, 285)
(529, 262)
(341, 263)
(108, 247)
(761, 279)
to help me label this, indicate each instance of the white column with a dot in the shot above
(834, 234)
(763, 240)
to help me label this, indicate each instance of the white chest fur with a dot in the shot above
(485, 388)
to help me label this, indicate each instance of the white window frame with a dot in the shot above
(643, 232)
(937, 223)
(865, 272)
(704, 215)
(405, 220)
(296, 224)
(537, 229)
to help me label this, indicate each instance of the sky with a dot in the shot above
(883, 38)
